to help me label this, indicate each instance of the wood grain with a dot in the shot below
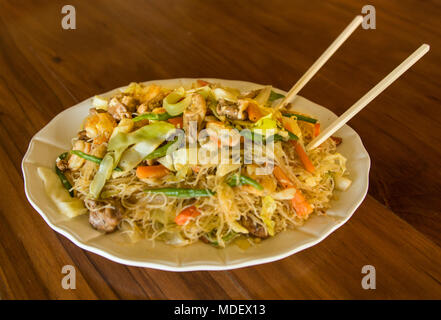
(45, 69)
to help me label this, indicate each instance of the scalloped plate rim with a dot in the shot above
(201, 267)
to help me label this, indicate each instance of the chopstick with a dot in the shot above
(321, 61)
(368, 97)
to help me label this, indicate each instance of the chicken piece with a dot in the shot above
(82, 135)
(232, 110)
(143, 108)
(194, 112)
(254, 229)
(122, 106)
(104, 215)
(89, 169)
(99, 126)
(151, 99)
(76, 162)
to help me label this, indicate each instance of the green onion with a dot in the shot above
(154, 116)
(90, 157)
(182, 192)
(300, 117)
(62, 177)
(238, 180)
(274, 96)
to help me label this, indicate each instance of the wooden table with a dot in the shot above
(45, 69)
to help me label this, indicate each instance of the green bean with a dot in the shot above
(238, 180)
(182, 192)
(86, 156)
(155, 116)
(62, 177)
(161, 151)
(300, 117)
(90, 157)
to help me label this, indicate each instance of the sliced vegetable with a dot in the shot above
(238, 180)
(225, 93)
(291, 125)
(144, 140)
(307, 163)
(56, 191)
(185, 215)
(176, 102)
(103, 174)
(154, 116)
(159, 171)
(274, 96)
(225, 168)
(268, 208)
(263, 96)
(342, 183)
(182, 192)
(266, 123)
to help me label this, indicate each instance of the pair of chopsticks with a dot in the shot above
(363, 101)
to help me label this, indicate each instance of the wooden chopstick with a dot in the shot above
(320, 61)
(369, 96)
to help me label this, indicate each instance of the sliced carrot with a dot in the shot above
(254, 112)
(196, 169)
(303, 156)
(299, 203)
(178, 122)
(186, 214)
(158, 171)
(316, 129)
(282, 178)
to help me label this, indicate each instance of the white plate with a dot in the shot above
(55, 138)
